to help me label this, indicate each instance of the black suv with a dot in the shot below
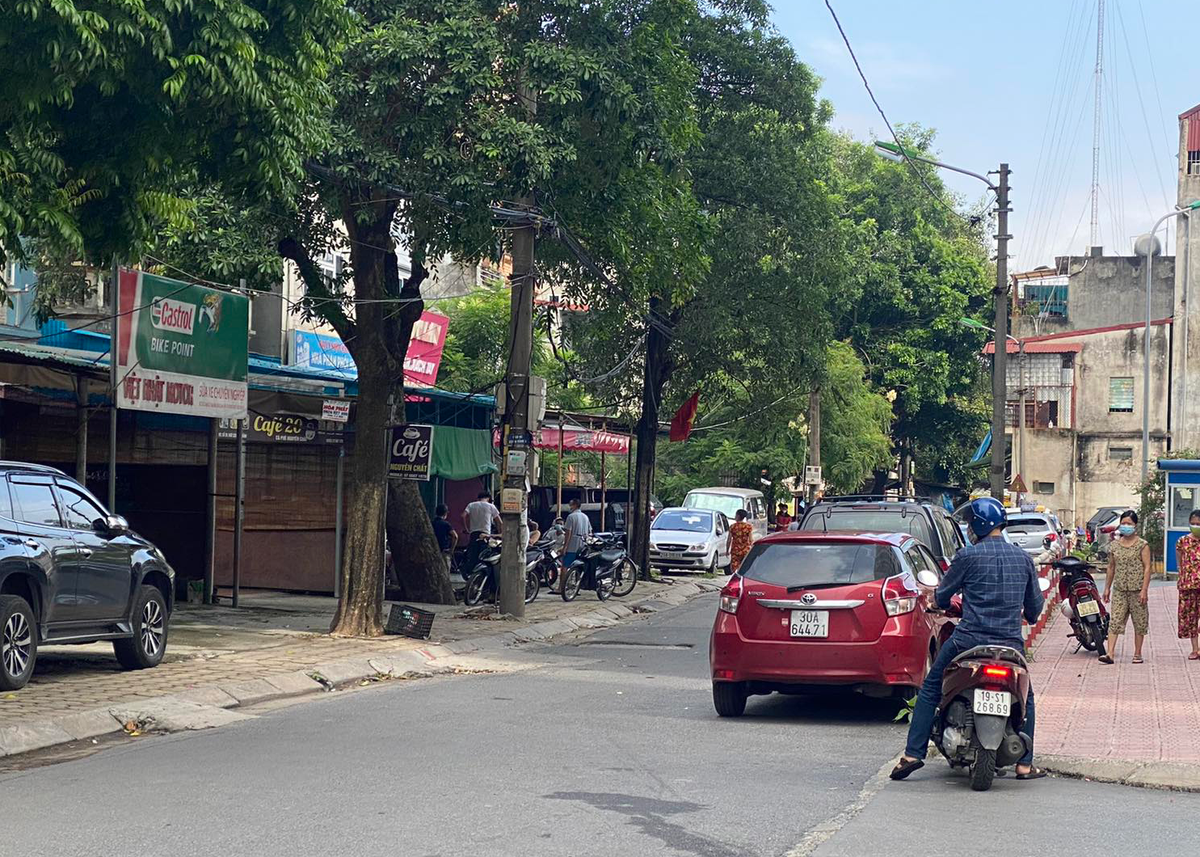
(924, 519)
(72, 573)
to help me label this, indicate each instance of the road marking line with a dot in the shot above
(820, 833)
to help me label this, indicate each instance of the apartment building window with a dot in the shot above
(1120, 395)
(1193, 163)
(1120, 453)
(1043, 487)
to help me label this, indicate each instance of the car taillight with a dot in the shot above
(900, 594)
(944, 564)
(1052, 536)
(730, 595)
(993, 671)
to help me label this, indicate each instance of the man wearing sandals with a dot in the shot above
(999, 585)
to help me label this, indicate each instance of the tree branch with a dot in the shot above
(329, 307)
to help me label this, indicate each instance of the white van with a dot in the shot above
(729, 500)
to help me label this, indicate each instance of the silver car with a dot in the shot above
(1028, 530)
(689, 539)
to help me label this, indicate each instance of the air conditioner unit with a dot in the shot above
(537, 401)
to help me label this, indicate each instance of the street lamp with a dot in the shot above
(970, 322)
(1147, 245)
(895, 152)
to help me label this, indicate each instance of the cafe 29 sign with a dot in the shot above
(411, 453)
(279, 429)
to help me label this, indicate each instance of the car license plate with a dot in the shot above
(993, 702)
(810, 623)
(672, 554)
(1087, 608)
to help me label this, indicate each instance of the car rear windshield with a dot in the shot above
(689, 522)
(726, 503)
(872, 521)
(1025, 526)
(808, 565)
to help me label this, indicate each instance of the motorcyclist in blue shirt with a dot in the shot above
(999, 585)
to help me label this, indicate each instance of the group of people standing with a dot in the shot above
(481, 520)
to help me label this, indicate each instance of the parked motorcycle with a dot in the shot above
(481, 584)
(982, 711)
(601, 565)
(1081, 604)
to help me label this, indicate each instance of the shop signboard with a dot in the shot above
(411, 452)
(280, 429)
(421, 361)
(336, 410)
(181, 348)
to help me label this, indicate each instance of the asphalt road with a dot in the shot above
(604, 747)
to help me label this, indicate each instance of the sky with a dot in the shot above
(1013, 81)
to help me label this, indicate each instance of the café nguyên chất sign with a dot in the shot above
(181, 348)
(411, 453)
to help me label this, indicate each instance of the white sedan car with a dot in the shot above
(689, 540)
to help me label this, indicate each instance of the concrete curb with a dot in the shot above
(1173, 776)
(207, 706)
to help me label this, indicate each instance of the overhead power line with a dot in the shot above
(899, 145)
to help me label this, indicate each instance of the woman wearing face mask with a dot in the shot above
(1187, 551)
(1128, 585)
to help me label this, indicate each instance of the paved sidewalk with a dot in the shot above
(274, 645)
(1131, 718)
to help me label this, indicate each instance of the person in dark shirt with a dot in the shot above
(999, 586)
(447, 538)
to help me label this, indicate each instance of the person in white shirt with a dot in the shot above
(479, 519)
(578, 529)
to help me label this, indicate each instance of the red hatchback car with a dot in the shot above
(809, 611)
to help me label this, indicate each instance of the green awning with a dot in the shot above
(460, 453)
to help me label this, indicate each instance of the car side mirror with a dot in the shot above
(111, 526)
(925, 577)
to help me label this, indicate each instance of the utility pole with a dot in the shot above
(112, 383)
(1098, 80)
(517, 386)
(1000, 363)
(814, 437)
(1021, 440)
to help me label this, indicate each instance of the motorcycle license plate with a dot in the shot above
(993, 702)
(810, 623)
(1087, 608)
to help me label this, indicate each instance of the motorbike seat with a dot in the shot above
(611, 555)
(994, 653)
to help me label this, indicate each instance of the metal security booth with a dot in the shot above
(1181, 497)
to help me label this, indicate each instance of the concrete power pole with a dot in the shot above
(814, 437)
(1000, 363)
(516, 411)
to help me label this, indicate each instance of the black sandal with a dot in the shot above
(1105, 659)
(905, 767)
(1035, 773)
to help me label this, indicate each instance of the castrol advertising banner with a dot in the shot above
(181, 348)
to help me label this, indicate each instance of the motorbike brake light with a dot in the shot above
(900, 594)
(731, 594)
(993, 671)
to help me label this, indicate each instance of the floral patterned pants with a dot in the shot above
(1125, 603)
(1189, 613)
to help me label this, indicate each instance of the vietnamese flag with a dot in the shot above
(681, 423)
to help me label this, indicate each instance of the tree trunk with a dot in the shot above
(377, 337)
(423, 575)
(360, 608)
(658, 369)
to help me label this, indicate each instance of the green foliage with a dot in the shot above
(916, 270)
(105, 106)
(854, 436)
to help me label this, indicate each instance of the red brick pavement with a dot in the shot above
(1143, 712)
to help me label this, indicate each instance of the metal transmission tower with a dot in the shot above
(1099, 76)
